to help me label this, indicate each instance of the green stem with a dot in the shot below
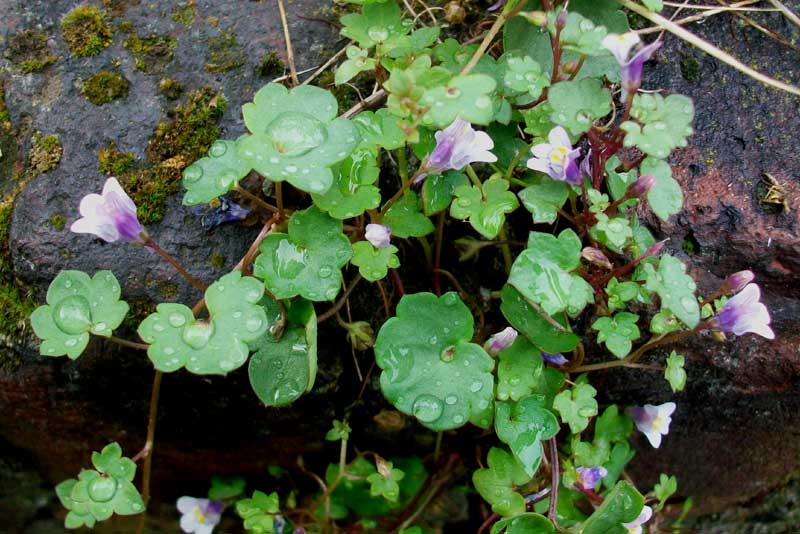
(505, 249)
(510, 10)
(253, 198)
(406, 185)
(402, 164)
(518, 156)
(472, 176)
(438, 448)
(147, 450)
(126, 343)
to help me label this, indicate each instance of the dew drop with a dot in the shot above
(71, 342)
(237, 315)
(427, 408)
(177, 320)
(291, 168)
(325, 271)
(458, 419)
(193, 173)
(100, 326)
(483, 404)
(218, 149)
(158, 327)
(451, 399)
(483, 102)
(476, 386)
(169, 350)
(253, 324)
(688, 303)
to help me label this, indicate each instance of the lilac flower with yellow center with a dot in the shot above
(457, 146)
(653, 421)
(111, 216)
(501, 340)
(744, 313)
(379, 235)
(631, 66)
(588, 477)
(199, 516)
(557, 158)
(635, 526)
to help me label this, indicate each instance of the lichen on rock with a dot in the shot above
(105, 86)
(86, 31)
(45, 153)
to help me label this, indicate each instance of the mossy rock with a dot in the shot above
(28, 49)
(224, 53)
(151, 54)
(45, 153)
(105, 86)
(86, 31)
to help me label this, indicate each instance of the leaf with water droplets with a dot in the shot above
(527, 523)
(259, 512)
(576, 406)
(405, 218)
(352, 192)
(485, 207)
(496, 482)
(77, 306)
(523, 76)
(617, 332)
(468, 97)
(523, 425)
(659, 124)
(675, 287)
(357, 61)
(666, 197)
(374, 263)
(378, 24)
(308, 260)
(430, 369)
(622, 505)
(285, 367)
(543, 197)
(379, 129)
(577, 104)
(674, 373)
(385, 484)
(214, 175)
(580, 34)
(296, 136)
(530, 323)
(438, 190)
(216, 345)
(518, 370)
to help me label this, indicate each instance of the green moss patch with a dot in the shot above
(271, 66)
(85, 31)
(185, 13)
(171, 89)
(151, 54)
(58, 221)
(15, 302)
(45, 153)
(113, 162)
(105, 86)
(224, 53)
(29, 50)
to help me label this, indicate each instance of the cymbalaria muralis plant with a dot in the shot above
(541, 154)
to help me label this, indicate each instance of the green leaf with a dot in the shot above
(77, 306)
(660, 124)
(527, 523)
(675, 288)
(618, 182)
(518, 370)
(285, 367)
(259, 512)
(111, 462)
(537, 120)
(374, 263)
(664, 322)
(543, 197)
(377, 23)
(214, 175)
(430, 369)
(617, 332)
(615, 233)
(622, 505)
(340, 431)
(664, 489)
(507, 144)
(579, 35)
(485, 207)
(468, 96)
(621, 454)
(621, 292)
(387, 485)
(674, 373)
(654, 5)
(612, 427)
(352, 192)
(438, 190)
(523, 426)
(496, 483)
(576, 406)
(530, 323)
(666, 197)
(296, 136)
(405, 218)
(524, 76)
(223, 488)
(379, 129)
(577, 104)
(214, 346)
(407, 86)
(357, 61)
(308, 260)
(541, 273)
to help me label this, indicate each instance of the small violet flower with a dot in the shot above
(457, 146)
(554, 359)
(642, 186)
(199, 515)
(653, 421)
(744, 313)
(737, 281)
(620, 47)
(379, 235)
(589, 477)
(500, 341)
(111, 216)
(557, 158)
(635, 526)
(586, 165)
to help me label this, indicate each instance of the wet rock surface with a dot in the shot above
(734, 438)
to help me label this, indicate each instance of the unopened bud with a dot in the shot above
(454, 12)
(500, 341)
(736, 282)
(641, 187)
(654, 249)
(537, 18)
(719, 336)
(384, 467)
(596, 256)
(360, 335)
(561, 20)
(569, 67)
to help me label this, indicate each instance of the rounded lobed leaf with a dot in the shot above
(430, 369)
(215, 174)
(374, 263)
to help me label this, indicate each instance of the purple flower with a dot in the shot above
(500, 341)
(557, 157)
(635, 526)
(111, 216)
(620, 47)
(457, 146)
(653, 421)
(554, 359)
(744, 313)
(589, 477)
(199, 515)
(642, 186)
(497, 5)
(379, 235)
(596, 256)
(737, 281)
(586, 165)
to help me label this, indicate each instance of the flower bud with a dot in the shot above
(569, 67)
(561, 20)
(596, 256)
(641, 187)
(500, 341)
(454, 12)
(737, 281)
(360, 335)
(537, 18)
(654, 249)
(379, 235)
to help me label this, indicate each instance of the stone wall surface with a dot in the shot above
(735, 435)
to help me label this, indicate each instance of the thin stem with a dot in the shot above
(438, 448)
(253, 198)
(577, 68)
(339, 303)
(612, 364)
(515, 160)
(288, 38)
(406, 185)
(386, 307)
(279, 199)
(253, 250)
(552, 322)
(505, 249)
(437, 255)
(126, 343)
(178, 267)
(147, 450)
(556, 476)
(472, 176)
(509, 11)
(402, 164)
